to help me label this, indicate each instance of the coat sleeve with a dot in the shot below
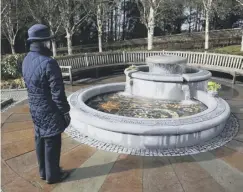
(55, 80)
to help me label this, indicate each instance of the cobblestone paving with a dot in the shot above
(95, 170)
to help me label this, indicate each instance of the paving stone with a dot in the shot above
(16, 117)
(5, 116)
(187, 169)
(237, 109)
(7, 174)
(20, 109)
(91, 175)
(231, 157)
(15, 136)
(236, 145)
(23, 163)
(20, 185)
(127, 170)
(17, 126)
(15, 149)
(64, 135)
(158, 175)
(68, 144)
(75, 157)
(234, 103)
(28, 161)
(239, 137)
(204, 185)
(239, 115)
(190, 174)
(33, 177)
(228, 177)
(72, 159)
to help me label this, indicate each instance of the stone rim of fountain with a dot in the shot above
(217, 108)
(229, 132)
(140, 73)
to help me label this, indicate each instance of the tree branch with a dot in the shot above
(240, 2)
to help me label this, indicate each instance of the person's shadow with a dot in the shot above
(132, 162)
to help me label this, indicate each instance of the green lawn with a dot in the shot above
(233, 50)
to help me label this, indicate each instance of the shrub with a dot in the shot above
(11, 66)
(132, 67)
(213, 86)
(13, 84)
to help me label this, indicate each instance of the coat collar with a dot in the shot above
(38, 47)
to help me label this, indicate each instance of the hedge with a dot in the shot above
(11, 66)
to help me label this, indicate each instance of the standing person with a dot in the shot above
(48, 103)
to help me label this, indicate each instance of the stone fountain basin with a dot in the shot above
(166, 86)
(190, 75)
(147, 133)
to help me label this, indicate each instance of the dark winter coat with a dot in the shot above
(47, 99)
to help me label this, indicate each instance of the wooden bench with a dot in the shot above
(67, 72)
(233, 72)
(230, 64)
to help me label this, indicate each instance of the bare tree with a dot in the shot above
(149, 11)
(240, 2)
(3, 8)
(12, 19)
(241, 48)
(73, 14)
(46, 11)
(100, 9)
(207, 4)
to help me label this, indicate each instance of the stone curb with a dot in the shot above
(6, 102)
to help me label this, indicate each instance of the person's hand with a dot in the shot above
(67, 119)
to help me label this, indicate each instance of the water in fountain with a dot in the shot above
(139, 107)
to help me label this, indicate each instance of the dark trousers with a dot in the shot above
(48, 152)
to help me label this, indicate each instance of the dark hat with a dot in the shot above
(39, 32)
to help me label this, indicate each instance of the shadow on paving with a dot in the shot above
(151, 162)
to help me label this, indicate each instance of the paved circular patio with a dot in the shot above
(96, 170)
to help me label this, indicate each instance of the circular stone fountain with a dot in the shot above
(162, 105)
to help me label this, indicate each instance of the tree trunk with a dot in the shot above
(150, 28)
(190, 19)
(99, 25)
(69, 42)
(124, 20)
(241, 49)
(111, 31)
(54, 47)
(53, 41)
(12, 42)
(12, 48)
(115, 23)
(100, 42)
(206, 29)
(196, 20)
